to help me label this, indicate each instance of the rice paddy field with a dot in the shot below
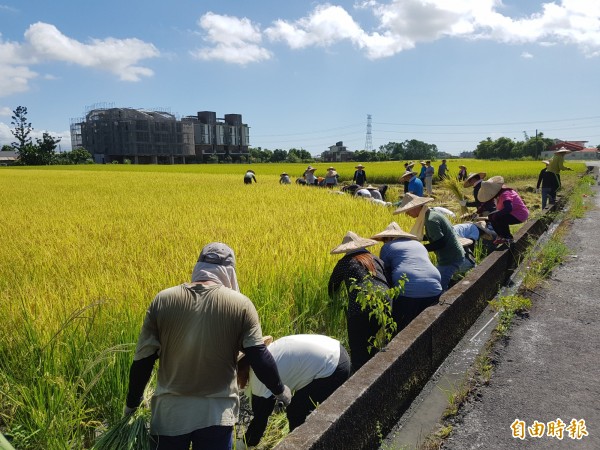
(86, 248)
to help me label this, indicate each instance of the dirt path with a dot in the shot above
(549, 367)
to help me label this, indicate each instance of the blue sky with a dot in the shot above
(306, 74)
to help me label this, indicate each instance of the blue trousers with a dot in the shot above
(548, 193)
(446, 272)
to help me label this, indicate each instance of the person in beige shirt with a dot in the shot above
(197, 330)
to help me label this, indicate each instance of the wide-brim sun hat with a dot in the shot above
(371, 188)
(411, 201)
(331, 168)
(353, 242)
(481, 175)
(393, 230)
(250, 170)
(283, 174)
(545, 162)
(562, 151)
(407, 173)
(311, 169)
(360, 166)
(487, 233)
(422, 162)
(490, 188)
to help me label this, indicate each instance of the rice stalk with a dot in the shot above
(456, 188)
(129, 433)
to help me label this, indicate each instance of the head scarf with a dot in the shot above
(217, 264)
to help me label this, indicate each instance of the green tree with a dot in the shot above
(41, 154)
(279, 155)
(79, 156)
(22, 128)
(7, 148)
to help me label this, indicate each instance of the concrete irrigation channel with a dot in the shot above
(401, 392)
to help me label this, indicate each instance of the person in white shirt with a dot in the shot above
(313, 366)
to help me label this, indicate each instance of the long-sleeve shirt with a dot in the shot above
(360, 177)
(443, 240)
(557, 163)
(429, 171)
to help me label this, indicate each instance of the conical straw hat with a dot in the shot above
(393, 230)
(352, 242)
(410, 201)
(490, 188)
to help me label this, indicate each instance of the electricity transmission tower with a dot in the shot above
(369, 140)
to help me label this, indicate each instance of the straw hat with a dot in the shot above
(411, 201)
(562, 151)
(464, 167)
(352, 242)
(372, 188)
(360, 166)
(407, 174)
(267, 340)
(467, 182)
(331, 168)
(422, 162)
(546, 162)
(311, 169)
(283, 174)
(393, 230)
(490, 188)
(487, 233)
(250, 170)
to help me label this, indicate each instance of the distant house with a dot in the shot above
(8, 158)
(578, 150)
(337, 153)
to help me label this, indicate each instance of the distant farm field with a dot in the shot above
(86, 248)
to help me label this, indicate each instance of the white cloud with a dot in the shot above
(403, 24)
(526, 55)
(44, 43)
(6, 137)
(5, 111)
(232, 40)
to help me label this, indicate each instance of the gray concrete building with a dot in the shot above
(158, 137)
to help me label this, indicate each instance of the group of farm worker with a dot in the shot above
(208, 338)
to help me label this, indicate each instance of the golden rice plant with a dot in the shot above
(453, 185)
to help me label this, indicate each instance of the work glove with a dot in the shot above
(285, 397)
(463, 203)
(127, 411)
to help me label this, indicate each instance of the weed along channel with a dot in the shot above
(96, 243)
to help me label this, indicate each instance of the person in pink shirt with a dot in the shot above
(510, 209)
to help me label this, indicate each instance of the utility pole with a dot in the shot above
(369, 140)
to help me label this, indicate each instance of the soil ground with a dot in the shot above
(548, 366)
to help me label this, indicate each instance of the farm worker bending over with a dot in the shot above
(483, 209)
(359, 266)
(284, 178)
(197, 330)
(437, 229)
(405, 258)
(360, 176)
(331, 177)
(415, 186)
(309, 175)
(249, 176)
(313, 366)
(510, 208)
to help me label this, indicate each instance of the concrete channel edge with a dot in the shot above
(369, 404)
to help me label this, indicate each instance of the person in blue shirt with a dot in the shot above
(415, 185)
(405, 258)
(422, 172)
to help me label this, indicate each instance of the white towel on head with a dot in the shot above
(223, 275)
